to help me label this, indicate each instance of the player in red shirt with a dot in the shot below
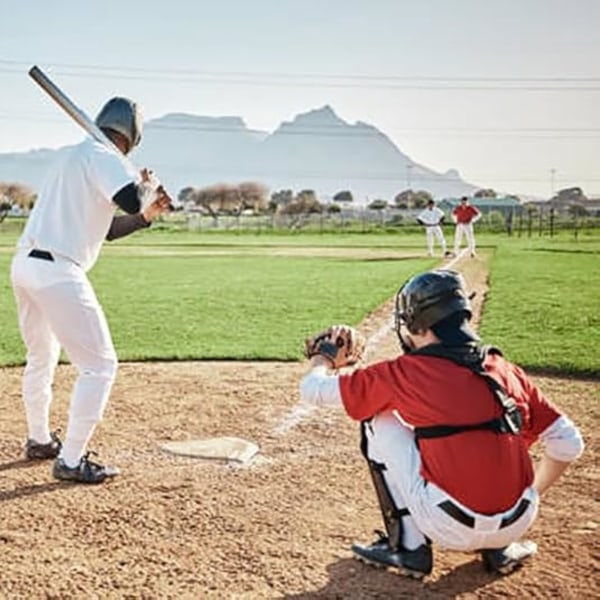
(464, 215)
(446, 430)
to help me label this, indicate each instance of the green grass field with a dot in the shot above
(223, 307)
(543, 309)
(234, 296)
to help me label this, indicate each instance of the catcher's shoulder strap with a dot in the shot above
(473, 356)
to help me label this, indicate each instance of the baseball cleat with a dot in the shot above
(410, 563)
(506, 560)
(36, 451)
(85, 472)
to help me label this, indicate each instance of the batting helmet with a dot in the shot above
(124, 116)
(429, 298)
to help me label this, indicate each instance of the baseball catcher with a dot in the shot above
(446, 429)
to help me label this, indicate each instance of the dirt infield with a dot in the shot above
(172, 527)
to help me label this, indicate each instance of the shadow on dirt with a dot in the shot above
(32, 490)
(349, 579)
(22, 463)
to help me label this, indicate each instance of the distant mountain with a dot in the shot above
(316, 150)
(28, 167)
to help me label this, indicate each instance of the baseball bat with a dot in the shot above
(70, 107)
(80, 117)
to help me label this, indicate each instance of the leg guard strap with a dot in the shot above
(392, 515)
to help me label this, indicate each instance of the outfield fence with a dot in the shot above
(525, 224)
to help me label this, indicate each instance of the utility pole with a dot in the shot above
(409, 168)
(552, 182)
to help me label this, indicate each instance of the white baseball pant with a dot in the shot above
(390, 442)
(464, 229)
(57, 307)
(435, 232)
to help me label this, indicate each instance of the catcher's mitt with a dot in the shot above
(341, 344)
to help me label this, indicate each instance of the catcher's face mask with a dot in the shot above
(400, 324)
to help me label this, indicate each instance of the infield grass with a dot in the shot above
(171, 296)
(181, 305)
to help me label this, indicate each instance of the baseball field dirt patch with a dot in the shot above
(279, 527)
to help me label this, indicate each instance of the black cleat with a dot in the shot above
(85, 472)
(411, 563)
(36, 451)
(506, 560)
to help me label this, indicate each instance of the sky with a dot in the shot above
(507, 92)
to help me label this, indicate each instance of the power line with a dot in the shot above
(154, 71)
(276, 79)
(418, 178)
(567, 133)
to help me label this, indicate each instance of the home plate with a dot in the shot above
(219, 448)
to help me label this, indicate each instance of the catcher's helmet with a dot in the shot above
(429, 298)
(124, 116)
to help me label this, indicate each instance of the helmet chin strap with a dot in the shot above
(405, 342)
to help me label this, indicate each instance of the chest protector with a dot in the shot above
(473, 356)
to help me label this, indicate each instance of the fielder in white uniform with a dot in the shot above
(57, 306)
(432, 218)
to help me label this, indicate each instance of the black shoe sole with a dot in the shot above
(399, 570)
(36, 454)
(108, 473)
(39, 457)
(507, 569)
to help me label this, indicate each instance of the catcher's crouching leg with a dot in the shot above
(388, 550)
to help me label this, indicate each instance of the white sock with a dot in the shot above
(39, 433)
(412, 538)
(78, 435)
(38, 426)
(38, 423)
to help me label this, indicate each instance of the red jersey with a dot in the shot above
(465, 214)
(483, 470)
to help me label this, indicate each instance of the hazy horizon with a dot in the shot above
(503, 92)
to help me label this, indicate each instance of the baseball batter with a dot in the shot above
(432, 218)
(464, 216)
(446, 429)
(57, 306)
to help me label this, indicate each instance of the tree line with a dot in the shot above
(256, 198)
(15, 194)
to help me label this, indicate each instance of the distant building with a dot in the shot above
(17, 211)
(566, 200)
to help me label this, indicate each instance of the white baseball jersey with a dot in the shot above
(74, 208)
(431, 216)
